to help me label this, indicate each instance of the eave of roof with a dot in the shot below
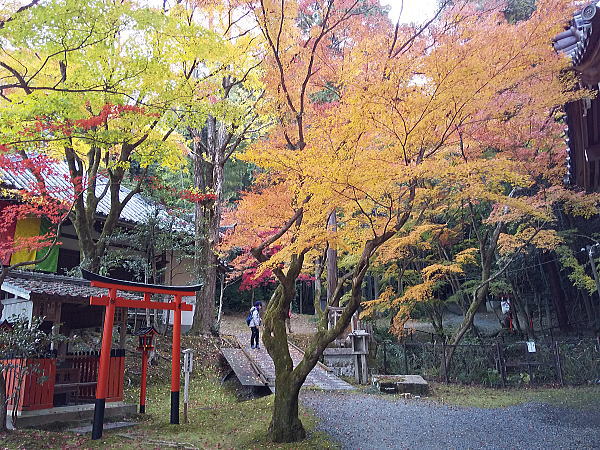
(136, 211)
(29, 285)
(578, 43)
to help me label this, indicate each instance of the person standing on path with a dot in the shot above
(254, 324)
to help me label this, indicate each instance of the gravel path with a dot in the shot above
(365, 421)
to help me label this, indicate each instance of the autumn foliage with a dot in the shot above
(393, 128)
(48, 197)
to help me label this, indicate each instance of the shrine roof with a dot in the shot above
(575, 40)
(137, 210)
(31, 285)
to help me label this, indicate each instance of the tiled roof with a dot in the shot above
(137, 210)
(574, 41)
(30, 284)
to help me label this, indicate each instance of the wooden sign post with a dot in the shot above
(188, 365)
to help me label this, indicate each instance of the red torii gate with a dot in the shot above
(111, 301)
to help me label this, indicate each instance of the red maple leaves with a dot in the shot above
(46, 197)
(43, 124)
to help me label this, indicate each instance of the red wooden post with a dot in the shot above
(176, 361)
(143, 385)
(102, 387)
(111, 302)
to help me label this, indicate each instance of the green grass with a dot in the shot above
(216, 420)
(584, 397)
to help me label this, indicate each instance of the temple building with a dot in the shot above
(581, 44)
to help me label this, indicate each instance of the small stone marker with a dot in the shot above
(393, 384)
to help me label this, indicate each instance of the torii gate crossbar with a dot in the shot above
(111, 301)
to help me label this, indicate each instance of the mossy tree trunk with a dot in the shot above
(286, 425)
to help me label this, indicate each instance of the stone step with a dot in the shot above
(65, 415)
(107, 426)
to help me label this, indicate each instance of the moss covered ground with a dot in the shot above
(579, 397)
(217, 418)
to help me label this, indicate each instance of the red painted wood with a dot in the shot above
(115, 379)
(124, 302)
(36, 391)
(111, 374)
(176, 350)
(103, 370)
(151, 290)
(87, 363)
(144, 376)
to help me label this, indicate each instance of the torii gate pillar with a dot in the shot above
(110, 302)
(176, 364)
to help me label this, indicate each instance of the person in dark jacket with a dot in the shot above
(254, 324)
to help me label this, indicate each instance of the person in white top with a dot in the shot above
(254, 324)
(506, 311)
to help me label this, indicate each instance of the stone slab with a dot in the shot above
(70, 414)
(400, 384)
(335, 351)
(340, 360)
(107, 426)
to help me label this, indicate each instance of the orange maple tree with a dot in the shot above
(389, 126)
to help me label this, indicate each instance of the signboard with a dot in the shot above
(188, 360)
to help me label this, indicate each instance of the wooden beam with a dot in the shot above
(127, 303)
(151, 290)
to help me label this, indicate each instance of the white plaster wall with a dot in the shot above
(179, 271)
(19, 307)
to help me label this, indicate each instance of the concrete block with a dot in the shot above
(64, 415)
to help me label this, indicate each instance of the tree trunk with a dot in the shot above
(332, 267)
(318, 287)
(286, 425)
(477, 299)
(220, 310)
(208, 175)
(558, 295)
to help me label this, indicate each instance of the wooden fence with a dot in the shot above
(496, 364)
(30, 382)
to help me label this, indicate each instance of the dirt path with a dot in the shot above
(318, 377)
(236, 323)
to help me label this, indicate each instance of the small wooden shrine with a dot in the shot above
(66, 377)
